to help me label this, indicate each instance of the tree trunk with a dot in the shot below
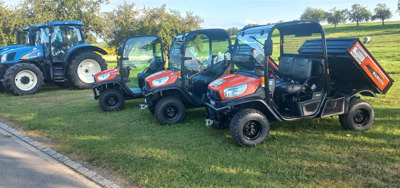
(357, 23)
(383, 22)
(335, 25)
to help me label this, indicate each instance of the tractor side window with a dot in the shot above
(62, 39)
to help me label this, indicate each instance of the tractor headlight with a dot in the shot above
(103, 77)
(160, 81)
(232, 92)
(3, 58)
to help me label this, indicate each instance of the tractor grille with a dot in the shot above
(214, 95)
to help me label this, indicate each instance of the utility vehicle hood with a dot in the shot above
(232, 80)
(106, 75)
(170, 76)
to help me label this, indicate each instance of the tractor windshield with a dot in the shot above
(64, 38)
(248, 52)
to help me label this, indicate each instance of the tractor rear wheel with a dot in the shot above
(111, 99)
(82, 67)
(23, 79)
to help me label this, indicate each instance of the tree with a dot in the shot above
(317, 15)
(398, 6)
(40, 11)
(336, 16)
(233, 31)
(382, 12)
(358, 14)
(124, 22)
(10, 17)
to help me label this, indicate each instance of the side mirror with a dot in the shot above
(268, 47)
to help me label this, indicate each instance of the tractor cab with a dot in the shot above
(196, 59)
(137, 58)
(55, 52)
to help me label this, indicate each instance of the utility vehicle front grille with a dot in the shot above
(214, 95)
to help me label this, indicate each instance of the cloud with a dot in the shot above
(248, 21)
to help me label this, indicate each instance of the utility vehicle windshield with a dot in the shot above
(248, 52)
(141, 51)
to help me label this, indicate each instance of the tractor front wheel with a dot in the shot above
(170, 110)
(23, 79)
(111, 99)
(82, 67)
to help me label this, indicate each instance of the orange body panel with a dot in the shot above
(232, 80)
(173, 76)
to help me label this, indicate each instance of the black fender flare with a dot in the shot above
(354, 95)
(79, 48)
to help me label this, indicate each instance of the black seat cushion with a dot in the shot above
(301, 69)
(285, 66)
(200, 83)
(287, 87)
(141, 77)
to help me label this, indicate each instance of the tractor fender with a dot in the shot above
(81, 47)
(39, 65)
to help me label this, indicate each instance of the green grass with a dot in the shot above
(308, 153)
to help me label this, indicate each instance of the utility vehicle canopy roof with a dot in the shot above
(299, 28)
(75, 23)
(213, 34)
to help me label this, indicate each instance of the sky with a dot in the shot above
(237, 13)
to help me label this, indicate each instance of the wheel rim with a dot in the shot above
(26, 80)
(361, 117)
(171, 112)
(112, 101)
(86, 69)
(252, 130)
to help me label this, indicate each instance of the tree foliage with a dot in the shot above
(87, 11)
(358, 14)
(125, 21)
(336, 16)
(382, 12)
(317, 15)
(233, 31)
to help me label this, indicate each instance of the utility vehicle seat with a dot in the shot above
(293, 72)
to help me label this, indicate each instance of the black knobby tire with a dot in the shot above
(151, 109)
(359, 117)
(82, 67)
(170, 110)
(249, 127)
(23, 79)
(2, 87)
(111, 99)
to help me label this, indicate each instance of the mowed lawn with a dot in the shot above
(309, 153)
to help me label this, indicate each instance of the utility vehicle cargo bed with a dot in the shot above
(351, 64)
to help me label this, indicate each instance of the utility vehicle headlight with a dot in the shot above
(232, 92)
(160, 81)
(103, 77)
(3, 58)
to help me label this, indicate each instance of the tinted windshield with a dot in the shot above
(248, 51)
(140, 52)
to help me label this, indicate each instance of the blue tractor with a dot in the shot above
(55, 52)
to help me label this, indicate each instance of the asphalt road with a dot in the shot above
(22, 165)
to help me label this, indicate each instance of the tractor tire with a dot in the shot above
(111, 99)
(249, 127)
(23, 79)
(169, 110)
(360, 116)
(2, 87)
(82, 67)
